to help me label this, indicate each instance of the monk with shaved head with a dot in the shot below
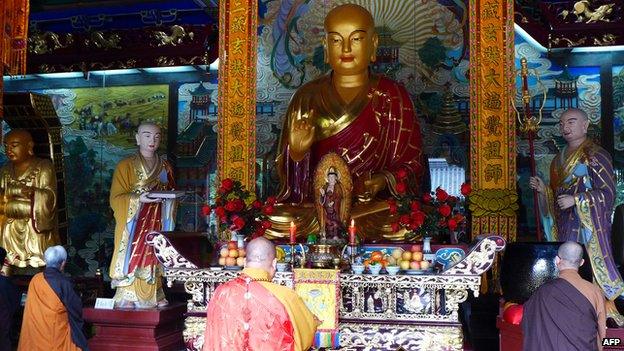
(252, 313)
(567, 313)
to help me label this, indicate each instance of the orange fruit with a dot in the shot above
(376, 256)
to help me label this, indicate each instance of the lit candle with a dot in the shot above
(293, 232)
(352, 232)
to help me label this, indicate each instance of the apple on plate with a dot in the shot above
(417, 256)
(224, 252)
(241, 252)
(405, 265)
(230, 261)
(416, 248)
(396, 253)
(232, 245)
(240, 261)
(425, 264)
(414, 265)
(406, 256)
(222, 261)
(233, 253)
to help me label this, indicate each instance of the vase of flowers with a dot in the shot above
(239, 213)
(434, 215)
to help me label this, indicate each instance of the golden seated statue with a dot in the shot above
(368, 120)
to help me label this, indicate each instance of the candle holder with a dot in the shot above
(353, 252)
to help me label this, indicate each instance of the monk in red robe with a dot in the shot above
(368, 120)
(253, 314)
(567, 313)
(53, 313)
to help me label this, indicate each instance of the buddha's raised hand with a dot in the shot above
(301, 134)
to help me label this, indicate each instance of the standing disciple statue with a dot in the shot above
(134, 270)
(28, 208)
(367, 119)
(578, 204)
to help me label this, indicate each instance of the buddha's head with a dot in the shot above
(350, 41)
(148, 137)
(19, 145)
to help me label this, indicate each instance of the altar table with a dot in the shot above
(376, 312)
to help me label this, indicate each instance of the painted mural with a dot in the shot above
(558, 82)
(422, 44)
(98, 131)
(196, 150)
(618, 130)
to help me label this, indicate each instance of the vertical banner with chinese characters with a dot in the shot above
(238, 41)
(13, 39)
(493, 201)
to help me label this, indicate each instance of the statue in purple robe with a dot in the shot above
(578, 204)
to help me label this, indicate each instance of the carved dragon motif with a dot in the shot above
(177, 36)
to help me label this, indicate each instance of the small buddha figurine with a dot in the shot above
(368, 120)
(28, 219)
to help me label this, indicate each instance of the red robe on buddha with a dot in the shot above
(377, 132)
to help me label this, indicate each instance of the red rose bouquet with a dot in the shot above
(434, 214)
(237, 209)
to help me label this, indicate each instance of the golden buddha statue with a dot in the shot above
(367, 119)
(28, 220)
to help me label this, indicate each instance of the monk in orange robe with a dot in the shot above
(53, 314)
(252, 313)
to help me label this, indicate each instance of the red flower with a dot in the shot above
(393, 208)
(256, 204)
(426, 198)
(452, 199)
(231, 206)
(441, 195)
(401, 187)
(401, 174)
(418, 218)
(220, 212)
(415, 206)
(227, 184)
(205, 210)
(452, 224)
(240, 204)
(404, 219)
(442, 223)
(466, 189)
(395, 227)
(237, 223)
(458, 218)
(268, 210)
(266, 224)
(445, 210)
(271, 200)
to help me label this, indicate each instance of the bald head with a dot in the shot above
(147, 125)
(260, 254)
(349, 12)
(22, 134)
(575, 112)
(570, 255)
(18, 146)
